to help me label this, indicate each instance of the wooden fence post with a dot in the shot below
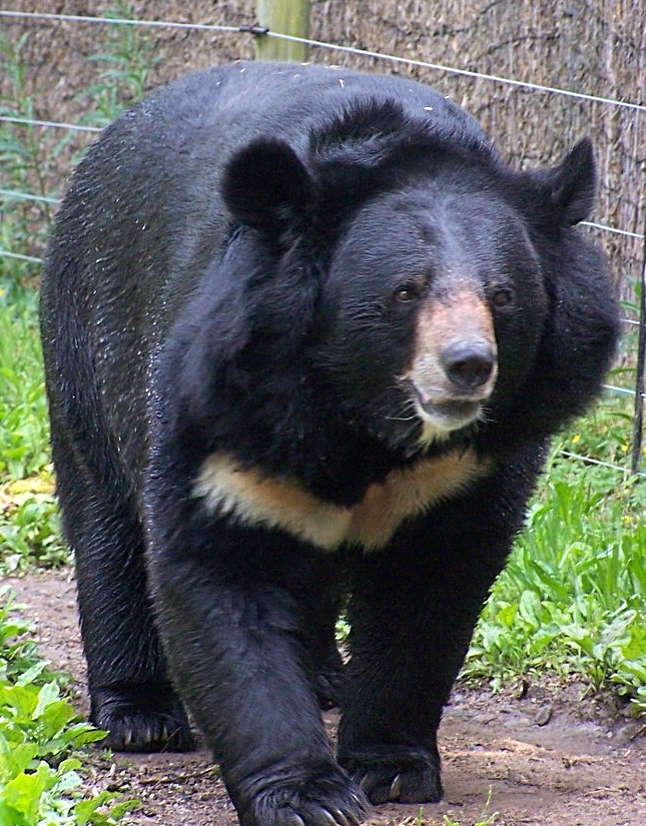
(283, 17)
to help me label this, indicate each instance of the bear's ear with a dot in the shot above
(265, 186)
(573, 184)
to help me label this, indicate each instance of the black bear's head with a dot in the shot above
(439, 296)
(434, 308)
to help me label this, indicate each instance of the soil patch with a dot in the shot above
(548, 755)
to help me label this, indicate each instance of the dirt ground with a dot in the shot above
(547, 756)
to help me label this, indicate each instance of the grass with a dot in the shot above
(29, 524)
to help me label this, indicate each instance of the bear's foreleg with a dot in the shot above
(412, 614)
(239, 612)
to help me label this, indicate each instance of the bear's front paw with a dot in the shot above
(321, 796)
(407, 775)
(141, 719)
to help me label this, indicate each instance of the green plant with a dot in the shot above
(29, 523)
(22, 153)
(40, 736)
(491, 819)
(128, 58)
(31, 159)
(573, 596)
(23, 407)
(485, 819)
(25, 163)
(17, 652)
(30, 533)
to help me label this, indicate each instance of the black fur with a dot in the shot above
(240, 269)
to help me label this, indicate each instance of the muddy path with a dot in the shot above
(549, 756)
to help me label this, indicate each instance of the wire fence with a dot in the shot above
(638, 110)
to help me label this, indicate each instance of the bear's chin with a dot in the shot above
(442, 419)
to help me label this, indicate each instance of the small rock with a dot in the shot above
(543, 715)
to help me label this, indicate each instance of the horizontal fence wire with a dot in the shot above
(422, 64)
(588, 460)
(27, 196)
(30, 197)
(32, 258)
(258, 31)
(118, 21)
(627, 391)
(368, 53)
(55, 124)
(605, 228)
(49, 124)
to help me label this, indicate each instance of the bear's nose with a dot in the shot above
(468, 364)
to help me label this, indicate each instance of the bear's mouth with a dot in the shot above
(450, 414)
(447, 414)
(458, 410)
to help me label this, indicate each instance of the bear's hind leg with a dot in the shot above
(321, 611)
(131, 696)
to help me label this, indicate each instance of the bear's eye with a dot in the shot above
(502, 297)
(406, 293)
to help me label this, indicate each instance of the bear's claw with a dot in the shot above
(135, 724)
(319, 797)
(406, 775)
